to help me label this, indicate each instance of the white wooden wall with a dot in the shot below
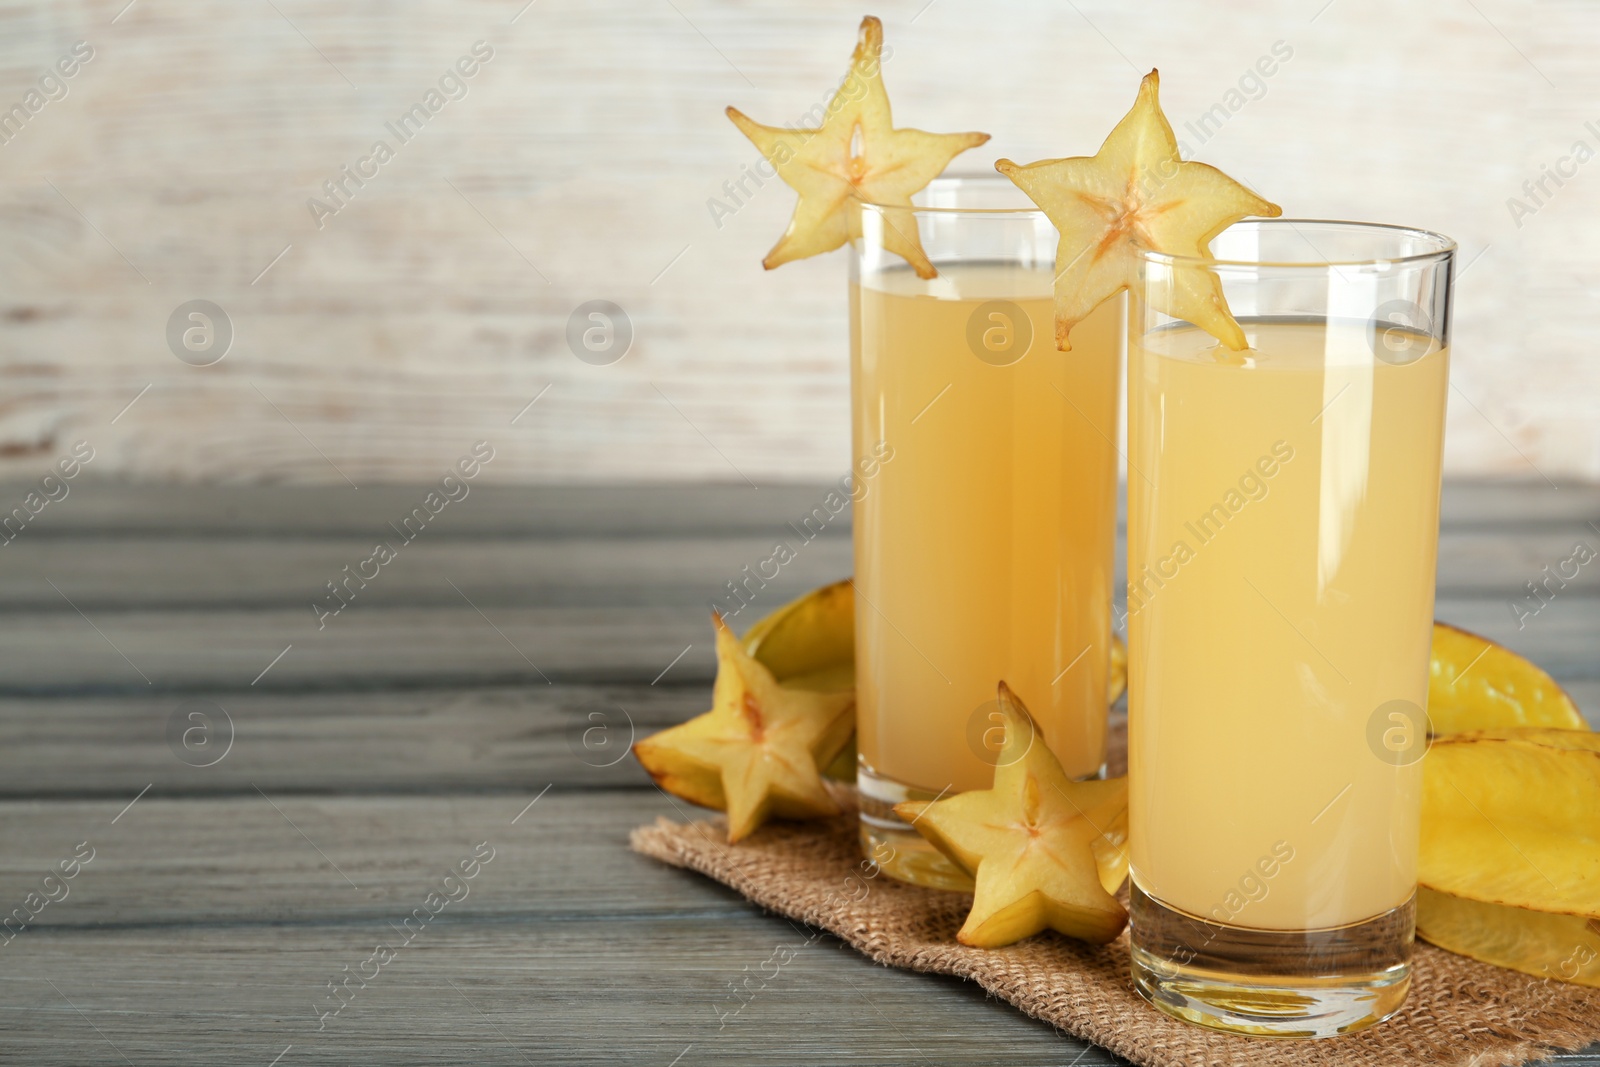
(429, 311)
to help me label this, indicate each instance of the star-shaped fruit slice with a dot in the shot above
(1045, 851)
(855, 155)
(756, 753)
(1133, 195)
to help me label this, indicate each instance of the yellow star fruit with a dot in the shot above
(1045, 852)
(811, 641)
(1545, 944)
(756, 753)
(1474, 684)
(1513, 817)
(1509, 871)
(855, 155)
(1117, 684)
(1133, 195)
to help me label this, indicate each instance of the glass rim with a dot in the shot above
(1443, 247)
(991, 179)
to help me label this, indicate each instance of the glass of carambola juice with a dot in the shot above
(984, 549)
(1283, 507)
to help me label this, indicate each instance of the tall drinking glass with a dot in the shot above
(984, 540)
(1283, 510)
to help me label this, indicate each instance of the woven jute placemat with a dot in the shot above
(1460, 1012)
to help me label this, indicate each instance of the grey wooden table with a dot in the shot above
(440, 719)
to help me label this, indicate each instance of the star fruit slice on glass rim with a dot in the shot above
(757, 753)
(1136, 194)
(855, 155)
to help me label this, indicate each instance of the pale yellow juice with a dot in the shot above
(1283, 522)
(984, 548)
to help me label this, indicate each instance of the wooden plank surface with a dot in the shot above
(375, 754)
(577, 990)
(96, 505)
(68, 652)
(502, 570)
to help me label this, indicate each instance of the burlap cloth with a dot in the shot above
(1460, 1012)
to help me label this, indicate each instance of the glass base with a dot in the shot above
(894, 844)
(1271, 983)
